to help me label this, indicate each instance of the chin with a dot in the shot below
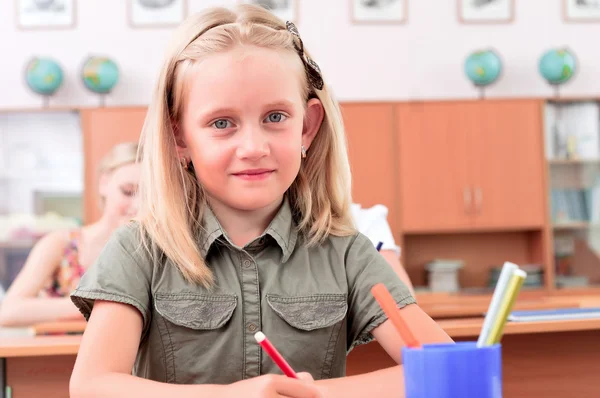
(253, 202)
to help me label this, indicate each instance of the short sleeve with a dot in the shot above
(122, 273)
(372, 222)
(365, 268)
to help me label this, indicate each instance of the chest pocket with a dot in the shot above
(311, 326)
(191, 328)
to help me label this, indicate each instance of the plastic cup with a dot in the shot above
(459, 370)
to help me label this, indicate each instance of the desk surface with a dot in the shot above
(456, 328)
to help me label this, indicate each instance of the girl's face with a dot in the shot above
(118, 189)
(244, 124)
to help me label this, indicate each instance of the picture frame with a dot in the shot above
(581, 11)
(379, 11)
(156, 13)
(286, 10)
(46, 14)
(486, 11)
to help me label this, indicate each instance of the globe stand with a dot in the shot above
(556, 91)
(481, 92)
(102, 100)
(45, 101)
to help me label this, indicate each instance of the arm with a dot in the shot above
(392, 258)
(387, 382)
(21, 306)
(107, 354)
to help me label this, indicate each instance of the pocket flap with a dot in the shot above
(310, 312)
(196, 311)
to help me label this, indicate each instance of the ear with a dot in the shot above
(179, 140)
(313, 118)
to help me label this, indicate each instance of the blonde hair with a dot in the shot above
(172, 200)
(119, 155)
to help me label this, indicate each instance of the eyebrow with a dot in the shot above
(210, 113)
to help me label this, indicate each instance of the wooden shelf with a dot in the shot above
(576, 225)
(573, 162)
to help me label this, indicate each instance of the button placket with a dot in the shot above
(251, 310)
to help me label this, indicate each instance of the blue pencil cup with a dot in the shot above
(459, 370)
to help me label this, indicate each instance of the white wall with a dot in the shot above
(420, 60)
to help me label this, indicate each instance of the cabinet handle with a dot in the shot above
(478, 200)
(467, 199)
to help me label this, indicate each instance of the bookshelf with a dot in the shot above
(572, 146)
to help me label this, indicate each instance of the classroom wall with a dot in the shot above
(422, 59)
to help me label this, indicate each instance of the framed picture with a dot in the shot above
(156, 13)
(379, 11)
(581, 10)
(286, 10)
(45, 14)
(486, 11)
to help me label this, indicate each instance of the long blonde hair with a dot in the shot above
(172, 200)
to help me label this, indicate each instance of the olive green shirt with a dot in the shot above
(313, 303)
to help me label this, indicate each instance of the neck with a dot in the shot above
(243, 226)
(101, 230)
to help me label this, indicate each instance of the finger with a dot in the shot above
(305, 376)
(294, 388)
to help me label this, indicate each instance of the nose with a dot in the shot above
(253, 144)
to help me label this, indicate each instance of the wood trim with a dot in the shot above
(472, 327)
(39, 346)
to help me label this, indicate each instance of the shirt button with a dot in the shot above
(247, 263)
(252, 327)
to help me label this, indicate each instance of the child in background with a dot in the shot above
(40, 293)
(244, 225)
(372, 222)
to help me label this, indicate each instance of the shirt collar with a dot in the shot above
(282, 229)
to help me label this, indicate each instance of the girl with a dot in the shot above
(244, 225)
(372, 222)
(54, 266)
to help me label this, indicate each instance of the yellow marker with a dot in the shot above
(508, 300)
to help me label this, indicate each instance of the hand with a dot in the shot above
(275, 386)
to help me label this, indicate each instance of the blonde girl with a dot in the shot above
(244, 226)
(40, 293)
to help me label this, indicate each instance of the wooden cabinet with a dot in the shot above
(432, 161)
(471, 165)
(507, 165)
(371, 148)
(102, 129)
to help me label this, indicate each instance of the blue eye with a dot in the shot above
(276, 117)
(222, 124)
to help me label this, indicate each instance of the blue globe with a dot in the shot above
(483, 67)
(557, 66)
(43, 75)
(100, 74)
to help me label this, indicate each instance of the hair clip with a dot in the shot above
(313, 72)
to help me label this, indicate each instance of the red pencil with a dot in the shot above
(275, 355)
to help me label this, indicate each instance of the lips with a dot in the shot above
(254, 174)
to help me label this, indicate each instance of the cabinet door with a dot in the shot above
(508, 165)
(432, 159)
(370, 132)
(102, 129)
